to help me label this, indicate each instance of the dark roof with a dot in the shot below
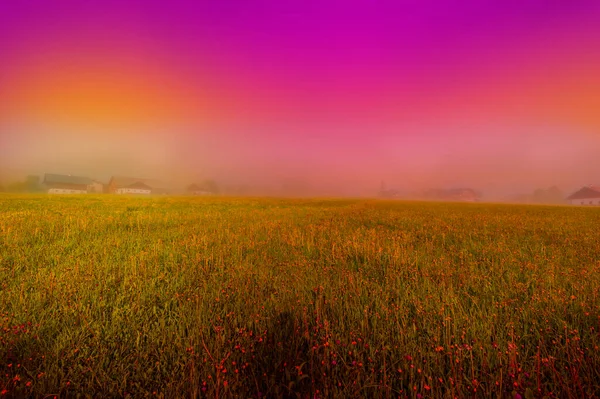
(585, 192)
(51, 178)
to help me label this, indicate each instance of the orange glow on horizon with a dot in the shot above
(92, 94)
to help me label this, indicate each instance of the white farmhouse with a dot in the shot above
(588, 195)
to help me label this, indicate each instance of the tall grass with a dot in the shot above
(226, 297)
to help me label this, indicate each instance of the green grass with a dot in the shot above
(171, 297)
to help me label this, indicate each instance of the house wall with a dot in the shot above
(65, 188)
(65, 191)
(127, 190)
(585, 201)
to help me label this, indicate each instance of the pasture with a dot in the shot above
(226, 297)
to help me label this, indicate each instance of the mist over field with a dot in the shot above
(313, 164)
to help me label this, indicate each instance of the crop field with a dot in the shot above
(107, 296)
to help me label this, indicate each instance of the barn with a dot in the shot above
(135, 188)
(588, 195)
(133, 185)
(65, 184)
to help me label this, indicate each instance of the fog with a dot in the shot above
(503, 162)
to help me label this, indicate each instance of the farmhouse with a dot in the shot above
(588, 195)
(135, 188)
(132, 185)
(65, 184)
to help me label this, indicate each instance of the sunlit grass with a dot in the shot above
(269, 298)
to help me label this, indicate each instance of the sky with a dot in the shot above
(326, 96)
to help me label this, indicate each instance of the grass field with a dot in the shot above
(218, 297)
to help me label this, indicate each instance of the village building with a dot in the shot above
(135, 188)
(65, 184)
(588, 195)
(132, 185)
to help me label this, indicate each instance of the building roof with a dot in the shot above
(51, 178)
(585, 192)
(123, 181)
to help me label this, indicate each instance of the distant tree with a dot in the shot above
(211, 185)
(555, 195)
(538, 195)
(552, 195)
(32, 183)
(17, 187)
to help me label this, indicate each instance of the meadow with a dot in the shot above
(105, 296)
